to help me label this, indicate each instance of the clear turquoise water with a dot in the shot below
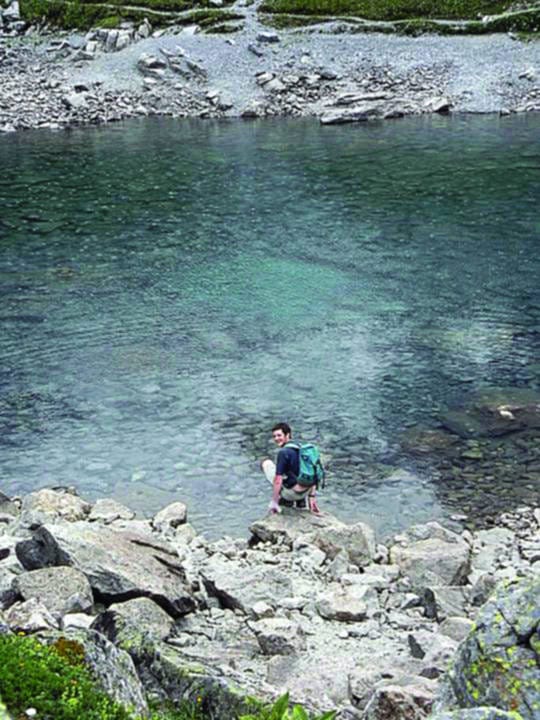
(171, 289)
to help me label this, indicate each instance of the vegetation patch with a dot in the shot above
(55, 683)
(86, 14)
(82, 16)
(524, 21)
(390, 9)
(165, 5)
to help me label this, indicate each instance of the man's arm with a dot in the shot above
(274, 504)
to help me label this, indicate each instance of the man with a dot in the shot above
(284, 473)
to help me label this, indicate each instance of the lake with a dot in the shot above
(171, 289)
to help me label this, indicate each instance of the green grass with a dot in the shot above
(390, 9)
(79, 15)
(54, 680)
(298, 13)
(165, 5)
(56, 684)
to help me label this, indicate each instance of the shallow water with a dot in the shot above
(171, 289)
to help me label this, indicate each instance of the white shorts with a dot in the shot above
(269, 470)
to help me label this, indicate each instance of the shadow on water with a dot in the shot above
(171, 289)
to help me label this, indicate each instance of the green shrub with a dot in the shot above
(281, 710)
(52, 681)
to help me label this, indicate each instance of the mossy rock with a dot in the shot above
(498, 665)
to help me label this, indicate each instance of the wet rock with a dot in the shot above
(60, 590)
(116, 563)
(498, 662)
(419, 441)
(495, 413)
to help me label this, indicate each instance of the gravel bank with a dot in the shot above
(58, 80)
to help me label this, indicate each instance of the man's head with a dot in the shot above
(281, 433)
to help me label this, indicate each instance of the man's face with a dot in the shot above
(280, 438)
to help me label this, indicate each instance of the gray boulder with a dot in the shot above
(241, 587)
(114, 671)
(116, 563)
(456, 628)
(348, 604)
(325, 531)
(341, 117)
(125, 623)
(278, 636)
(431, 555)
(29, 617)
(107, 511)
(61, 590)
(442, 602)
(170, 517)
(46, 506)
(498, 664)
(408, 701)
(10, 567)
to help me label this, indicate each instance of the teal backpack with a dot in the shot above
(311, 468)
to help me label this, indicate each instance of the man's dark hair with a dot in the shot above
(284, 427)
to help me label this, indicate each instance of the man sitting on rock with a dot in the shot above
(284, 473)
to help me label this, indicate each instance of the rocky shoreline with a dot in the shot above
(59, 80)
(307, 604)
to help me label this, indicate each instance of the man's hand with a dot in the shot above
(314, 508)
(274, 507)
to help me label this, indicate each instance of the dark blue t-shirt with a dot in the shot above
(288, 465)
